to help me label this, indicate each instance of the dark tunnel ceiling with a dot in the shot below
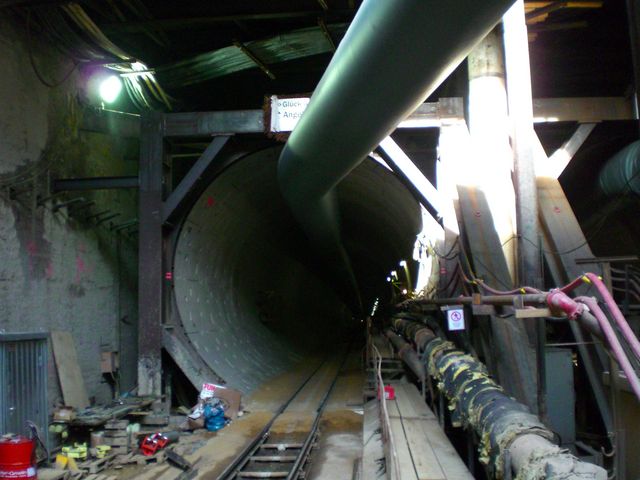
(588, 55)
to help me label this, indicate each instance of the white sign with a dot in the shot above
(455, 319)
(285, 112)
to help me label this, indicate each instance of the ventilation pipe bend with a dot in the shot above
(621, 173)
(394, 55)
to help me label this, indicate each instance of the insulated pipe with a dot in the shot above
(407, 354)
(510, 436)
(394, 55)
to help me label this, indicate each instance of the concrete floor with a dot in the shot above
(340, 442)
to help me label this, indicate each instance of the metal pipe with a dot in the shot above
(392, 57)
(524, 299)
(407, 354)
(510, 436)
(93, 183)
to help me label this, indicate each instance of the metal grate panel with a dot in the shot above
(23, 382)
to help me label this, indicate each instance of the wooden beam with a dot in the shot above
(150, 276)
(531, 5)
(582, 109)
(556, 163)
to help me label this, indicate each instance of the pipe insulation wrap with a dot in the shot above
(393, 56)
(621, 173)
(500, 422)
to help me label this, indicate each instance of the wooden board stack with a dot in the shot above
(117, 437)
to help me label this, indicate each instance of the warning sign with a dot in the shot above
(455, 319)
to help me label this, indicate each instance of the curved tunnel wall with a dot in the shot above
(246, 286)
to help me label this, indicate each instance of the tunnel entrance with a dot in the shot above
(251, 295)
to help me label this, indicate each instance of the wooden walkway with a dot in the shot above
(423, 450)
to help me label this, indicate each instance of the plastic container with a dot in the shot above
(17, 458)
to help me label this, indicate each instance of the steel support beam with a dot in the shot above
(518, 75)
(519, 100)
(633, 14)
(556, 163)
(412, 177)
(150, 254)
(110, 122)
(201, 124)
(175, 202)
(93, 183)
(582, 109)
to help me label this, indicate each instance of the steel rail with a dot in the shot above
(246, 453)
(234, 468)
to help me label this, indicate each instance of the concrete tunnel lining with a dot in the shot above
(247, 287)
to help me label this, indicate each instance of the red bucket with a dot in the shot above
(17, 458)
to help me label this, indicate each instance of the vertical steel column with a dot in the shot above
(516, 50)
(150, 254)
(633, 15)
(520, 102)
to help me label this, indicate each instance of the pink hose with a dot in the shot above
(617, 314)
(614, 343)
(573, 285)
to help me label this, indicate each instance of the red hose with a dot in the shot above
(614, 343)
(617, 314)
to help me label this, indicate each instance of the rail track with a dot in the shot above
(277, 455)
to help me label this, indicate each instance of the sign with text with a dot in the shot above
(285, 112)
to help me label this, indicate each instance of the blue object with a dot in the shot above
(214, 418)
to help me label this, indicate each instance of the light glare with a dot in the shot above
(110, 89)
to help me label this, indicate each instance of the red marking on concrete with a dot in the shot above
(48, 272)
(81, 268)
(210, 202)
(32, 248)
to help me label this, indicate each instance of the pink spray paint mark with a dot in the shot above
(48, 272)
(32, 251)
(210, 202)
(81, 268)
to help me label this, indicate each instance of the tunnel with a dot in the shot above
(250, 291)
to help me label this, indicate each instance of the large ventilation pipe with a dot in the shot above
(621, 173)
(394, 55)
(246, 291)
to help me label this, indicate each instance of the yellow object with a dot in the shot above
(79, 451)
(61, 461)
(73, 465)
(102, 451)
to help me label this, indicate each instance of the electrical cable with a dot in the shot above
(46, 83)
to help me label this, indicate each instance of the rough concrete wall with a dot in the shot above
(58, 270)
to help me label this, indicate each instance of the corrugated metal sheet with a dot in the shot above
(23, 382)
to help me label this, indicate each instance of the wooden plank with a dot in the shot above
(405, 462)
(449, 460)
(392, 409)
(410, 402)
(533, 312)
(69, 373)
(425, 460)
(568, 242)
